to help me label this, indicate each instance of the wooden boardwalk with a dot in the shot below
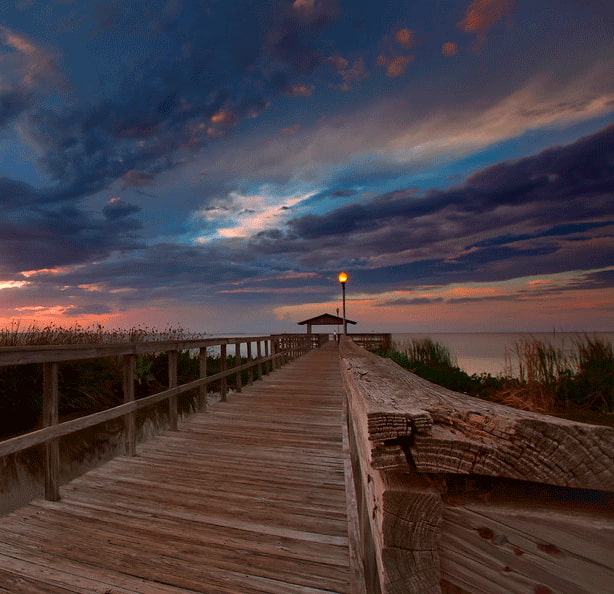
(247, 497)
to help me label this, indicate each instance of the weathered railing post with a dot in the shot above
(267, 349)
(202, 373)
(238, 380)
(223, 367)
(130, 418)
(259, 357)
(455, 493)
(50, 417)
(250, 370)
(274, 352)
(172, 383)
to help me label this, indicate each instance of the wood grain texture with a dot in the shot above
(509, 547)
(399, 513)
(448, 432)
(247, 497)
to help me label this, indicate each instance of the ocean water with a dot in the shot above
(493, 352)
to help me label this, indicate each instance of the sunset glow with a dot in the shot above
(216, 167)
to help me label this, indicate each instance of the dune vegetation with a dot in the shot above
(539, 377)
(89, 385)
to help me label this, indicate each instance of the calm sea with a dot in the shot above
(488, 352)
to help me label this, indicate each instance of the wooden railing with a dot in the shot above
(372, 341)
(270, 353)
(456, 494)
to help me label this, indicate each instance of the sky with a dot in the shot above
(214, 164)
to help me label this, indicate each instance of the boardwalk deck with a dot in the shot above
(247, 497)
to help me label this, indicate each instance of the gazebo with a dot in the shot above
(324, 320)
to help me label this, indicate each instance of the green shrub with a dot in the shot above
(540, 377)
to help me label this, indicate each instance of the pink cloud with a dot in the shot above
(351, 75)
(482, 15)
(449, 49)
(34, 65)
(395, 65)
(299, 90)
(405, 37)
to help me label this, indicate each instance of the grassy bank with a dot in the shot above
(90, 385)
(545, 379)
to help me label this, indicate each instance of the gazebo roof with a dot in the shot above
(325, 320)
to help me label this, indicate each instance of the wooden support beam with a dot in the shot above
(223, 367)
(202, 373)
(266, 354)
(50, 418)
(238, 379)
(537, 483)
(129, 362)
(172, 383)
(250, 371)
(259, 358)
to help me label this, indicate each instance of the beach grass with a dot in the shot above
(538, 376)
(89, 385)
(18, 334)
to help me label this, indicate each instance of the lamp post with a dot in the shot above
(343, 277)
(337, 324)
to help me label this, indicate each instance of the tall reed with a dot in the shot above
(49, 334)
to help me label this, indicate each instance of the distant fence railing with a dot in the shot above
(373, 342)
(263, 354)
(460, 495)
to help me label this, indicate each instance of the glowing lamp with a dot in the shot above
(343, 277)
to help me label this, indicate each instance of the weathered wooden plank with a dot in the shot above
(50, 419)
(40, 436)
(448, 432)
(23, 355)
(551, 531)
(248, 497)
(128, 365)
(562, 549)
(115, 582)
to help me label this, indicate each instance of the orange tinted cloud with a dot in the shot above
(291, 130)
(396, 65)
(223, 117)
(405, 37)
(299, 90)
(449, 49)
(338, 62)
(482, 15)
(350, 74)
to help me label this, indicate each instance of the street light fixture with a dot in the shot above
(343, 277)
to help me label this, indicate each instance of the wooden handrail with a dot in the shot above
(457, 492)
(282, 348)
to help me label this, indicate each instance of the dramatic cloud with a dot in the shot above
(541, 194)
(483, 15)
(225, 159)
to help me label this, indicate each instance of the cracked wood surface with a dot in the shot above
(414, 422)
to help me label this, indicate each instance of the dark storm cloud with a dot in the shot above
(118, 209)
(15, 193)
(602, 279)
(12, 103)
(413, 301)
(81, 310)
(292, 41)
(526, 213)
(34, 237)
(190, 81)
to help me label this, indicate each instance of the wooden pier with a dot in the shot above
(246, 497)
(326, 469)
